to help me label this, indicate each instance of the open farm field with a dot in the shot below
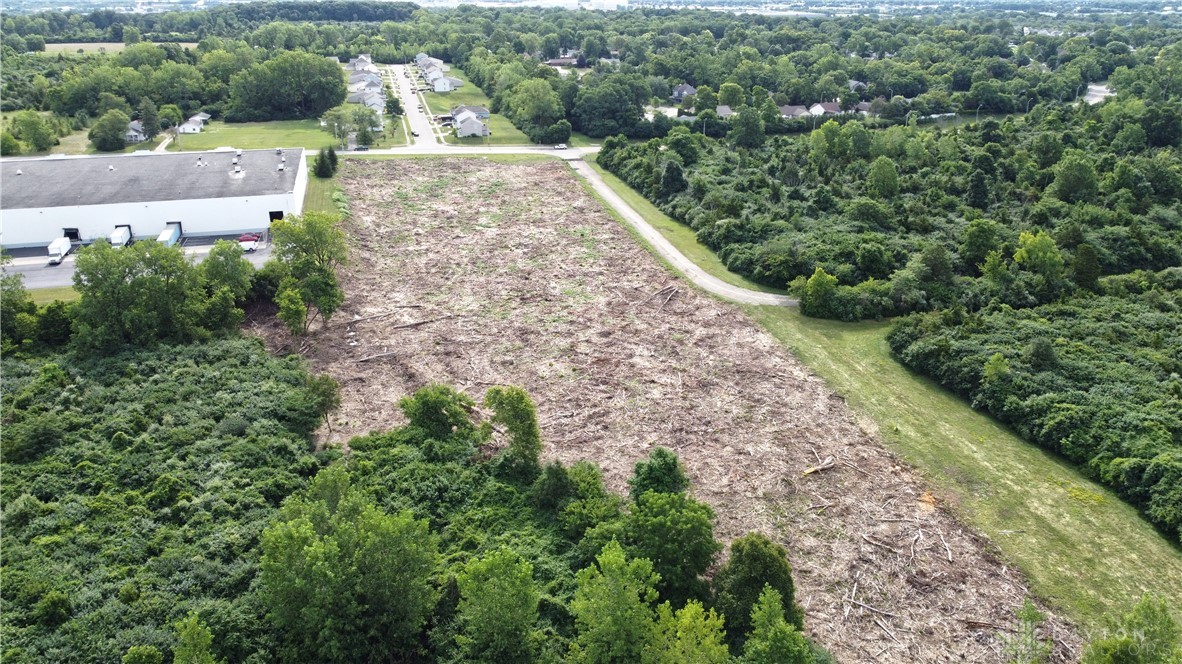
(96, 47)
(477, 273)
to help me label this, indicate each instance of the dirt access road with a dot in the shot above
(519, 277)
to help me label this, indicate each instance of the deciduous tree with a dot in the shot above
(498, 609)
(613, 610)
(108, 134)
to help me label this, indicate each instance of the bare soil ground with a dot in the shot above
(528, 281)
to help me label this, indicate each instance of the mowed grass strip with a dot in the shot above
(1084, 550)
(318, 196)
(43, 296)
(262, 135)
(682, 236)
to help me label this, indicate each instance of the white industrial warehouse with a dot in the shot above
(221, 192)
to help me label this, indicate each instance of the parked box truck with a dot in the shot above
(170, 235)
(120, 237)
(59, 249)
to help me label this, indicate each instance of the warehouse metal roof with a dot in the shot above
(146, 177)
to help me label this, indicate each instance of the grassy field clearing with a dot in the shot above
(277, 133)
(1081, 547)
(46, 295)
(96, 47)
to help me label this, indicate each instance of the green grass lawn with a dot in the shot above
(580, 140)
(502, 132)
(441, 103)
(256, 135)
(46, 295)
(682, 236)
(318, 197)
(1084, 550)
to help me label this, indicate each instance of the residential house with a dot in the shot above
(563, 62)
(135, 132)
(374, 100)
(792, 112)
(682, 91)
(432, 74)
(855, 86)
(863, 107)
(825, 108)
(365, 86)
(359, 76)
(202, 117)
(190, 126)
(362, 62)
(422, 60)
(479, 111)
(467, 124)
(724, 111)
(446, 84)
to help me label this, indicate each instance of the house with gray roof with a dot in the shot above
(135, 132)
(682, 91)
(479, 111)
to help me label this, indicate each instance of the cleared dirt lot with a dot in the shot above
(526, 280)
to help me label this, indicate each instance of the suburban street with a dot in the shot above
(419, 121)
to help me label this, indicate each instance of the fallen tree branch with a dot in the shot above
(667, 298)
(658, 294)
(874, 609)
(879, 544)
(888, 631)
(374, 357)
(855, 468)
(947, 548)
(825, 465)
(421, 322)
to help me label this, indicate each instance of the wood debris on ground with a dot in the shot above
(526, 281)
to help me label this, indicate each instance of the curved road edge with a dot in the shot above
(37, 276)
(670, 253)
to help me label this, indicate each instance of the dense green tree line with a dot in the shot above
(1094, 378)
(949, 63)
(865, 224)
(136, 488)
(142, 517)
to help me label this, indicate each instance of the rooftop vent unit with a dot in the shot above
(234, 160)
(278, 150)
(238, 153)
(279, 167)
(19, 172)
(237, 169)
(110, 167)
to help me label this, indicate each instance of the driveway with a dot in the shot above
(38, 273)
